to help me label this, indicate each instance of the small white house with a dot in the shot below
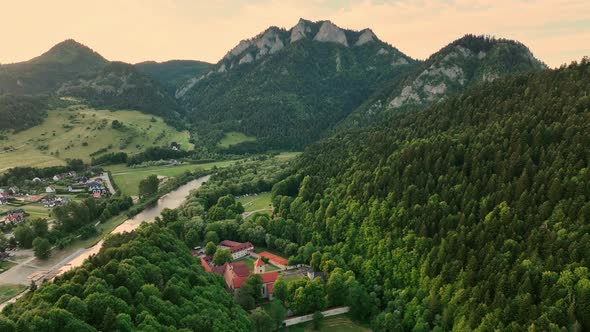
(56, 177)
(50, 189)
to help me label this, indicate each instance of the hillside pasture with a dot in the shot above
(234, 138)
(81, 132)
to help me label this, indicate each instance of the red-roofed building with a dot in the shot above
(268, 279)
(236, 273)
(237, 249)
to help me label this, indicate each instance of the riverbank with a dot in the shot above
(73, 256)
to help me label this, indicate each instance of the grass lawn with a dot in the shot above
(253, 203)
(287, 155)
(78, 131)
(4, 265)
(253, 215)
(233, 138)
(250, 262)
(128, 178)
(9, 291)
(340, 323)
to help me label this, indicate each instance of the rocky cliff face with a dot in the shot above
(463, 63)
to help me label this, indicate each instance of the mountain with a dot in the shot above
(469, 215)
(70, 69)
(288, 87)
(122, 86)
(172, 74)
(44, 74)
(463, 63)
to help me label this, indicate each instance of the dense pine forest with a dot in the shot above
(472, 214)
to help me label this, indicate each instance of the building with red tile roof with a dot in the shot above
(237, 249)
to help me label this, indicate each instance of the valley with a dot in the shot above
(314, 178)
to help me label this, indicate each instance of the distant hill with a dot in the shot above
(463, 63)
(121, 86)
(44, 74)
(172, 74)
(287, 87)
(73, 70)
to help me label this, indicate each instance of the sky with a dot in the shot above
(556, 31)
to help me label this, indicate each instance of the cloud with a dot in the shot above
(137, 30)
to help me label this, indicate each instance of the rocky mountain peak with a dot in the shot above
(330, 32)
(367, 36)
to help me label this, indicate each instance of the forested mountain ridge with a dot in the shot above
(286, 87)
(174, 73)
(44, 74)
(465, 62)
(122, 86)
(71, 69)
(472, 214)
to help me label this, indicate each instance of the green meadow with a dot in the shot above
(78, 132)
(233, 138)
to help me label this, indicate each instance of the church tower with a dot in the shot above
(259, 266)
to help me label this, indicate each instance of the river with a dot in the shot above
(171, 200)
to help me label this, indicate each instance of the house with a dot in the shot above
(97, 189)
(36, 180)
(175, 146)
(14, 217)
(13, 190)
(57, 177)
(237, 249)
(3, 197)
(50, 189)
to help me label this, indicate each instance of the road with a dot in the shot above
(107, 181)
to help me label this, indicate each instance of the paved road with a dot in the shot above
(107, 181)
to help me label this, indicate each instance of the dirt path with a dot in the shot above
(249, 213)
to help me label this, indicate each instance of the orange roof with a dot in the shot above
(269, 277)
(205, 265)
(274, 258)
(259, 262)
(238, 281)
(270, 286)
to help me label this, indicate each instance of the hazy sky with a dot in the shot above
(556, 31)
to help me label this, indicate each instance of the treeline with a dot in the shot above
(21, 112)
(472, 214)
(17, 175)
(146, 280)
(257, 174)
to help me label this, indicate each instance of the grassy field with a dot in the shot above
(128, 178)
(340, 323)
(77, 131)
(233, 138)
(287, 155)
(4, 265)
(35, 210)
(253, 203)
(9, 291)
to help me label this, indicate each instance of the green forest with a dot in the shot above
(469, 215)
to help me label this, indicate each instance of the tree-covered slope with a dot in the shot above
(122, 86)
(21, 112)
(287, 87)
(472, 214)
(458, 66)
(141, 281)
(172, 74)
